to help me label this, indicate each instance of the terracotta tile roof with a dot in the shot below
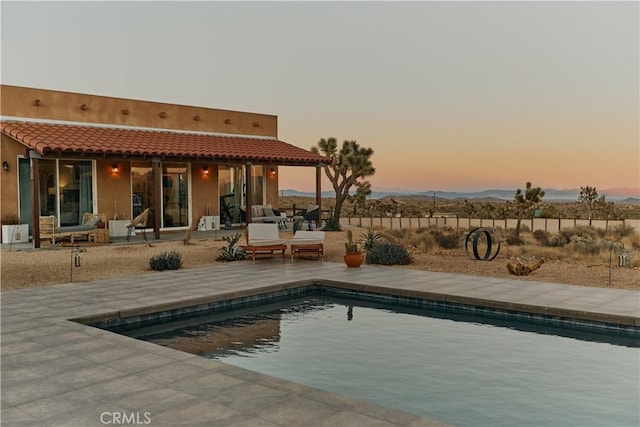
(60, 139)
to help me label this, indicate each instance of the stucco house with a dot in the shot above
(66, 154)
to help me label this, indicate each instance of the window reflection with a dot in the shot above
(174, 195)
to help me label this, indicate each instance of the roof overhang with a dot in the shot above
(75, 140)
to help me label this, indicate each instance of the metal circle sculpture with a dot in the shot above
(474, 237)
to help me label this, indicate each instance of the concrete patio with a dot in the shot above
(57, 372)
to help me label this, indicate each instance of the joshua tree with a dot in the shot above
(589, 196)
(347, 168)
(525, 201)
(359, 200)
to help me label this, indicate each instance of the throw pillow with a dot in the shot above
(93, 221)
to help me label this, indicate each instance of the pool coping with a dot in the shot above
(50, 364)
(562, 316)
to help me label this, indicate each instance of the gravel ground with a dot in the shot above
(48, 266)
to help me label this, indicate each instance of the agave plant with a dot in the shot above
(370, 238)
(231, 252)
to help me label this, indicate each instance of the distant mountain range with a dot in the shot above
(621, 195)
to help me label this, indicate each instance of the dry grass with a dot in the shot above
(21, 269)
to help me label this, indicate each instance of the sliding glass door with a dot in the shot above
(232, 189)
(142, 191)
(175, 206)
(75, 191)
(174, 211)
(66, 189)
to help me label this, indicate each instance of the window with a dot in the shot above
(66, 189)
(174, 195)
(141, 190)
(232, 189)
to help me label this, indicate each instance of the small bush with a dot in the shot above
(446, 237)
(581, 231)
(388, 254)
(166, 261)
(549, 240)
(543, 237)
(231, 252)
(514, 240)
(423, 241)
(399, 233)
(622, 230)
(332, 225)
(585, 245)
(634, 241)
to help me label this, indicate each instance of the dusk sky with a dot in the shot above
(450, 95)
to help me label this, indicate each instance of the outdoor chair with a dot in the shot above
(138, 223)
(263, 239)
(305, 242)
(100, 234)
(266, 213)
(309, 215)
(49, 229)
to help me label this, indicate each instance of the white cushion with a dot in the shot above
(306, 235)
(92, 221)
(259, 231)
(257, 211)
(300, 242)
(266, 242)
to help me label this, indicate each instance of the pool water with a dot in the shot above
(452, 368)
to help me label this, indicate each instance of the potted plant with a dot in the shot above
(353, 256)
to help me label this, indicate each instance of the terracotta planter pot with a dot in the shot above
(353, 259)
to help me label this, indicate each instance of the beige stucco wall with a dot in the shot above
(20, 101)
(9, 152)
(272, 188)
(114, 189)
(204, 191)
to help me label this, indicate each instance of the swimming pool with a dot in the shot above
(446, 365)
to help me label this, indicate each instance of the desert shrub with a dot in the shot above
(231, 252)
(399, 233)
(446, 237)
(622, 230)
(581, 231)
(549, 240)
(634, 241)
(422, 241)
(370, 238)
(388, 254)
(332, 225)
(514, 240)
(585, 245)
(171, 260)
(543, 237)
(542, 252)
